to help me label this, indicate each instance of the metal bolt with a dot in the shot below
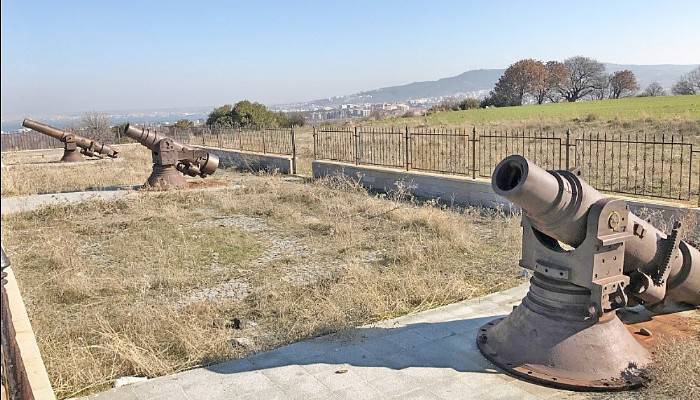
(614, 221)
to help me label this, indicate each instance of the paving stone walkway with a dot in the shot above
(430, 355)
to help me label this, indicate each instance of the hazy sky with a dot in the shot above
(70, 56)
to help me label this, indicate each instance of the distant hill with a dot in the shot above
(466, 82)
(480, 81)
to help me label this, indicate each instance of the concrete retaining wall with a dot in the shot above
(459, 190)
(250, 161)
(27, 376)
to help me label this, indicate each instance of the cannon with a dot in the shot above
(71, 142)
(590, 257)
(172, 160)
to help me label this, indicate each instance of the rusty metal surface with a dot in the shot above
(590, 257)
(652, 328)
(70, 149)
(164, 176)
(552, 338)
(88, 147)
(171, 159)
(557, 204)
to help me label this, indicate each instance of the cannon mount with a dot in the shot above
(566, 332)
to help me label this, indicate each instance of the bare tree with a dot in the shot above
(95, 126)
(623, 83)
(584, 76)
(694, 78)
(601, 87)
(654, 89)
(683, 87)
(688, 84)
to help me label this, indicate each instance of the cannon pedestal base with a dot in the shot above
(561, 346)
(165, 176)
(71, 156)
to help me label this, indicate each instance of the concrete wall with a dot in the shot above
(249, 161)
(28, 378)
(459, 190)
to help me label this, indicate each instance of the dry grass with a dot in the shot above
(115, 289)
(38, 171)
(674, 374)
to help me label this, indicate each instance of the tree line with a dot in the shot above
(251, 114)
(575, 78)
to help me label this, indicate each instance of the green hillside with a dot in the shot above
(626, 109)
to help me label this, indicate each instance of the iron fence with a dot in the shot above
(336, 144)
(259, 140)
(440, 150)
(28, 141)
(650, 165)
(32, 140)
(544, 148)
(659, 166)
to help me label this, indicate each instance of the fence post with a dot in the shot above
(690, 168)
(240, 139)
(263, 140)
(408, 141)
(315, 150)
(357, 147)
(566, 156)
(218, 138)
(473, 152)
(294, 152)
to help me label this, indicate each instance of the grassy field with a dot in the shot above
(39, 171)
(666, 108)
(114, 289)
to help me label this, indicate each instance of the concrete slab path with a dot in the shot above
(17, 204)
(430, 355)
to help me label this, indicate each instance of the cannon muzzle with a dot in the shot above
(88, 147)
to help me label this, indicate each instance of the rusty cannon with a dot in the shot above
(590, 257)
(71, 142)
(172, 160)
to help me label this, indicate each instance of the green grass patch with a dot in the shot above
(626, 109)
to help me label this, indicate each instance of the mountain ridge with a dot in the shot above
(480, 81)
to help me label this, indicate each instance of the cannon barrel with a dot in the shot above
(45, 129)
(90, 146)
(206, 162)
(557, 204)
(148, 138)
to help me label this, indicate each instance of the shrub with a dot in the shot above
(469, 103)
